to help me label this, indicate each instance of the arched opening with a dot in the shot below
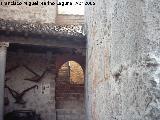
(73, 71)
(70, 91)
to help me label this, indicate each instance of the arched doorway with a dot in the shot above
(70, 92)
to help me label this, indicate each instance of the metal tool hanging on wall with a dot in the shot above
(10, 70)
(37, 78)
(19, 96)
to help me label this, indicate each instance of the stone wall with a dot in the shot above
(37, 99)
(35, 13)
(59, 99)
(39, 13)
(76, 73)
(122, 77)
(70, 19)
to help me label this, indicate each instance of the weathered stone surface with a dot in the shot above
(39, 28)
(31, 13)
(43, 104)
(40, 25)
(123, 60)
(42, 34)
(69, 19)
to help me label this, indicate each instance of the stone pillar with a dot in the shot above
(3, 50)
(123, 60)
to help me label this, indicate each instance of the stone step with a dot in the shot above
(63, 83)
(68, 98)
(69, 111)
(70, 95)
(70, 104)
(62, 79)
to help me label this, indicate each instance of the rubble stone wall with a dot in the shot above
(40, 99)
(122, 78)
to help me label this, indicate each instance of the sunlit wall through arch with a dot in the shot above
(73, 71)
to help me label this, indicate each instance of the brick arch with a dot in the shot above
(61, 59)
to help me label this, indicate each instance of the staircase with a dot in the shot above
(69, 98)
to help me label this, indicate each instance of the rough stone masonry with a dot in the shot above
(123, 60)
